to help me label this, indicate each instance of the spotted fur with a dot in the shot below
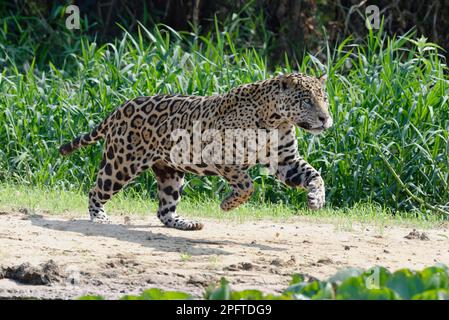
(138, 137)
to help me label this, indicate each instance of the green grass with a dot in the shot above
(57, 202)
(388, 97)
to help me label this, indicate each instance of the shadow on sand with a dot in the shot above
(158, 241)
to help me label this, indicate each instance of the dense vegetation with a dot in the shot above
(278, 26)
(377, 283)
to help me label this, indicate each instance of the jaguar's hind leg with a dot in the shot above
(169, 185)
(112, 177)
(96, 206)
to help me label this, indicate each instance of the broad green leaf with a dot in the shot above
(355, 289)
(297, 278)
(152, 294)
(344, 274)
(435, 278)
(247, 295)
(132, 297)
(311, 289)
(436, 294)
(88, 297)
(176, 295)
(223, 292)
(158, 294)
(405, 283)
(376, 277)
(326, 292)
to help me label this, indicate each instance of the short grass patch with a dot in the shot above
(36, 200)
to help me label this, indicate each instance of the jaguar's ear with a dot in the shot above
(323, 80)
(287, 82)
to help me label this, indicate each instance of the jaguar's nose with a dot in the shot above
(326, 121)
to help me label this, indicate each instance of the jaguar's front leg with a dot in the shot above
(299, 173)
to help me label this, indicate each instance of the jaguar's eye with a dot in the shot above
(307, 100)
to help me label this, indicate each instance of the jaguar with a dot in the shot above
(138, 136)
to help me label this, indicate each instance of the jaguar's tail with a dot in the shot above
(96, 134)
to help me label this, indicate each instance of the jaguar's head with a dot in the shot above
(303, 102)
